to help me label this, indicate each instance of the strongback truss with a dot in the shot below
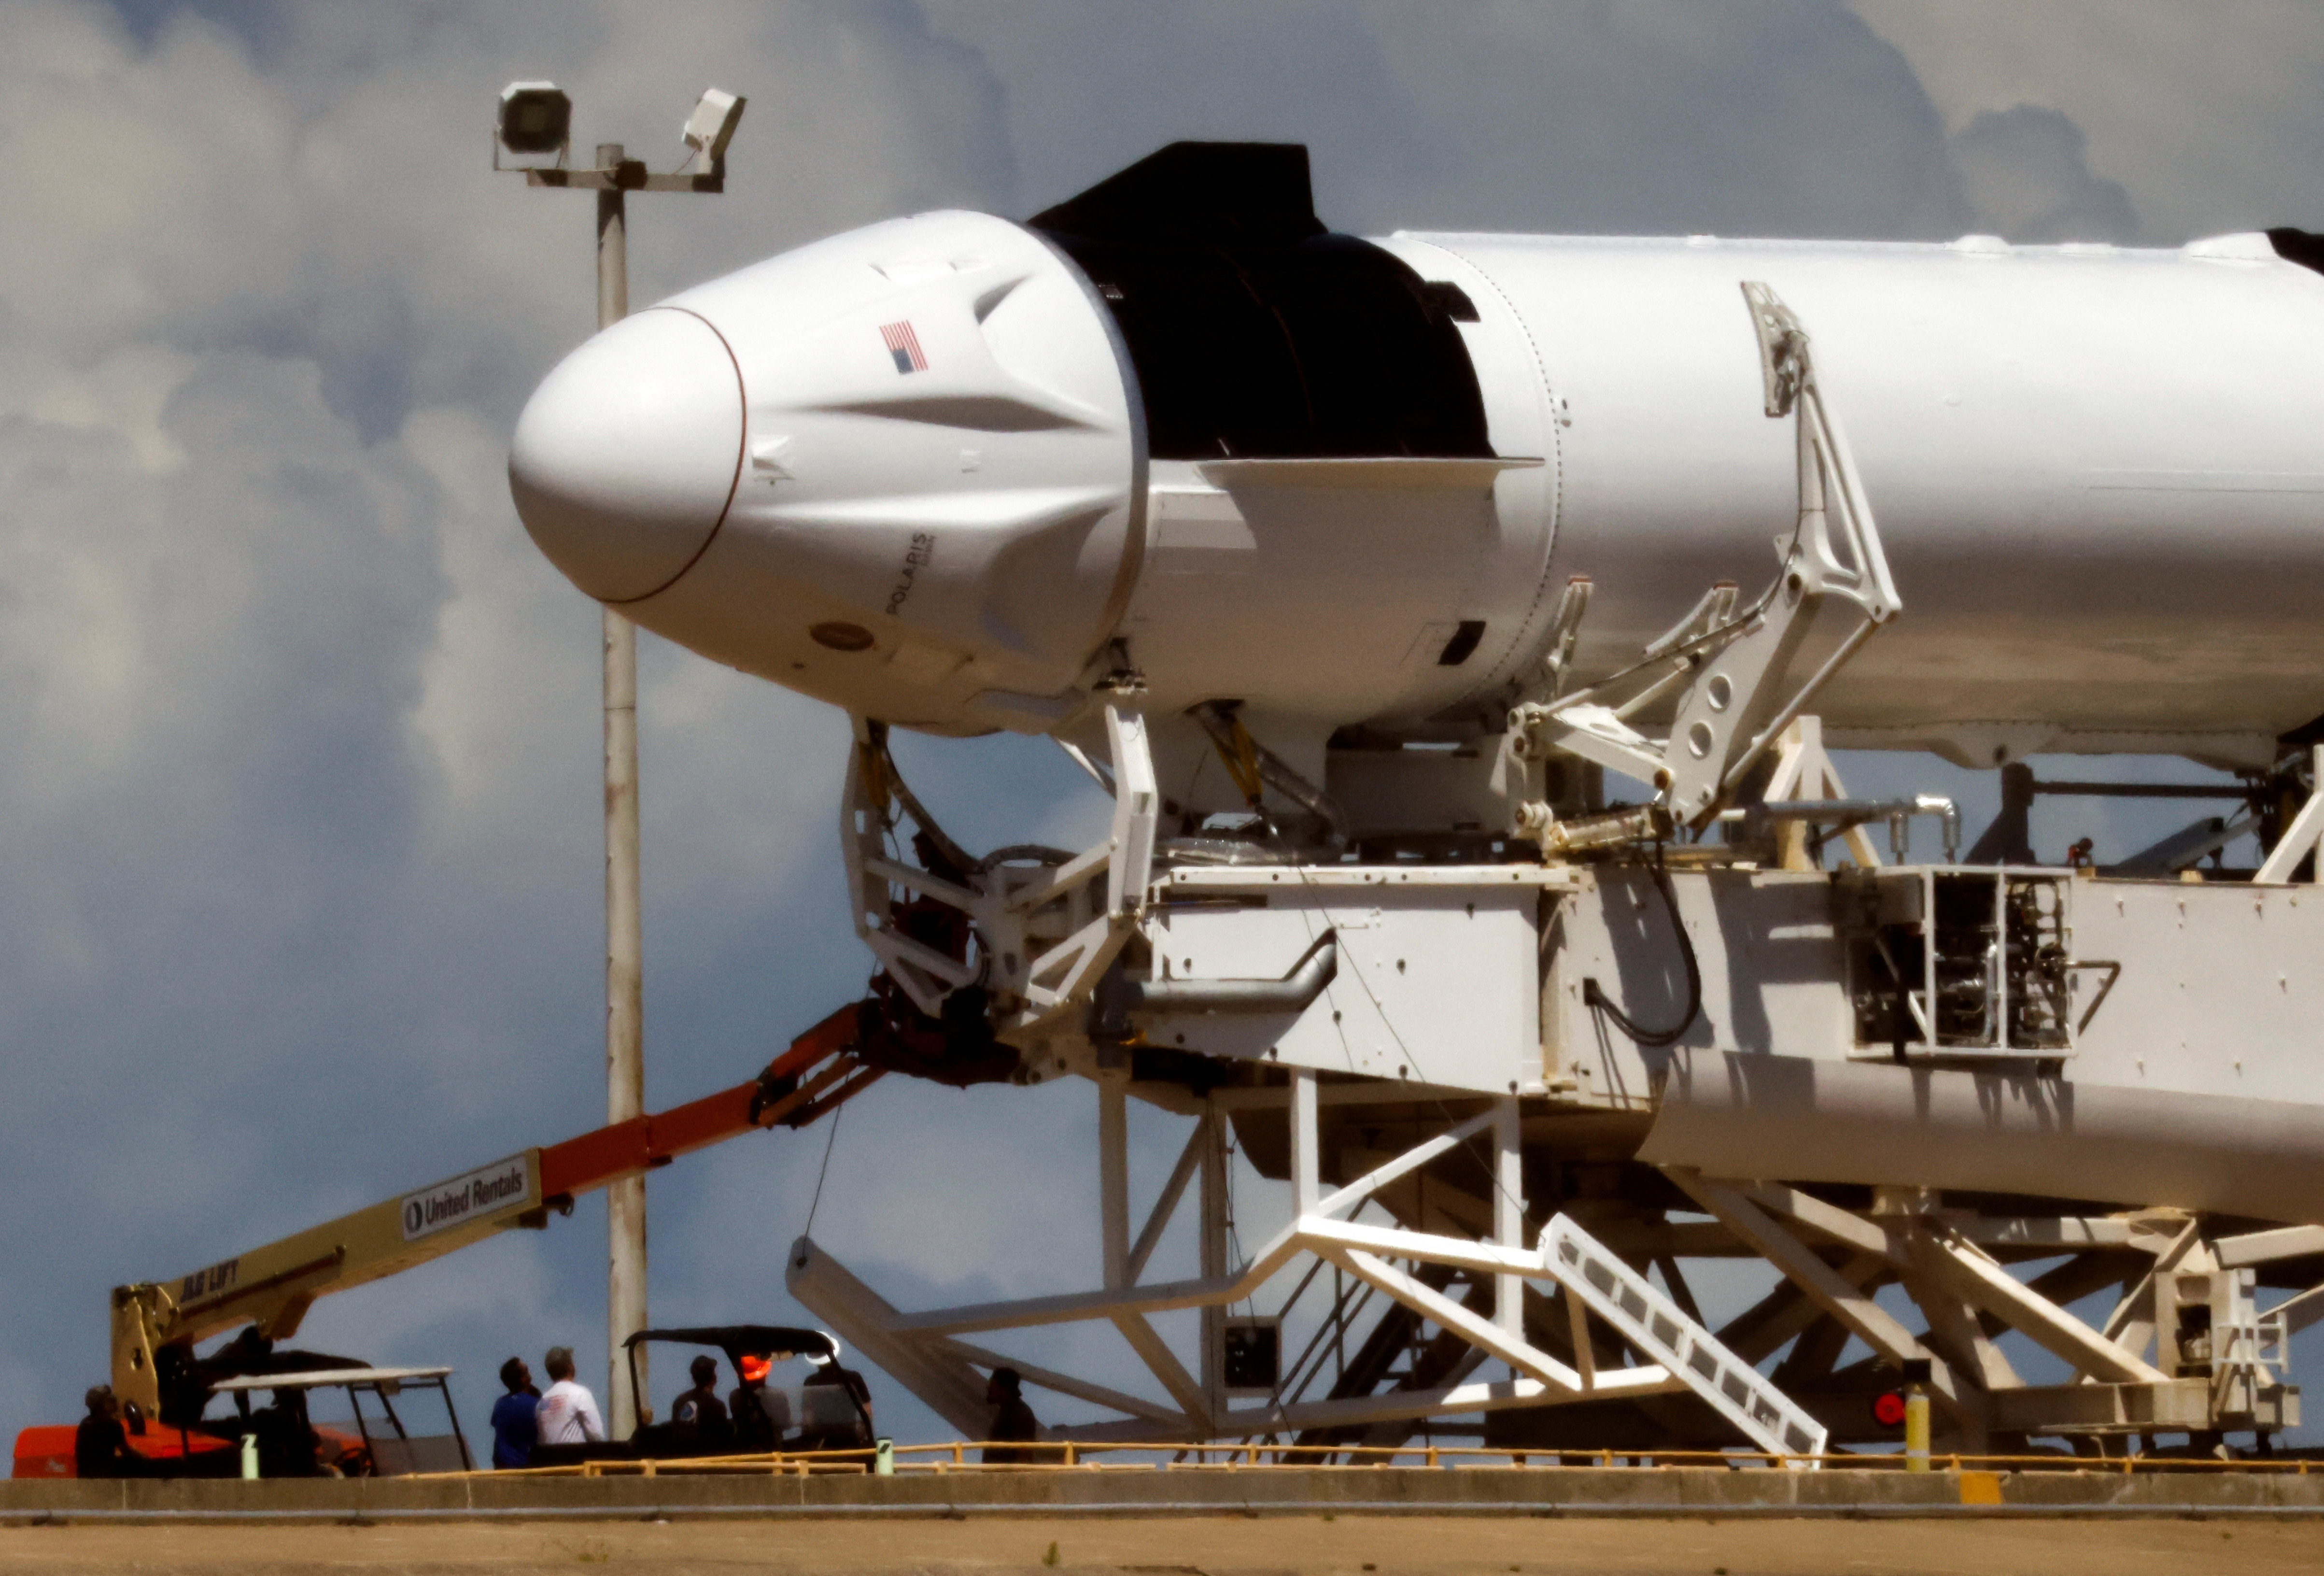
(1481, 990)
(1562, 1300)
(927, 1353)
(1047, 930)
(1620, 1337)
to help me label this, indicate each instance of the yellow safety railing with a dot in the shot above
(1079, 1456)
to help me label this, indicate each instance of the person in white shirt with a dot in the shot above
(568, 1413)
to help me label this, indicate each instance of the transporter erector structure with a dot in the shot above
(1355, 570)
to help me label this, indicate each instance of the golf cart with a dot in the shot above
(291, 1445)
(829, 1410)
(284, 1437)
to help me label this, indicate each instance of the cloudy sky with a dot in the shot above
(298, 831)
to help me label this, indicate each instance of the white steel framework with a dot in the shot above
(1511, 1086)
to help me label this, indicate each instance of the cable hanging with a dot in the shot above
(1656, 1038)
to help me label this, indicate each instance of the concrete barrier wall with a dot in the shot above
(1281, 1491)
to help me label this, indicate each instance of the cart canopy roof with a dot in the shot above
(772, 1342)
(321, 1378)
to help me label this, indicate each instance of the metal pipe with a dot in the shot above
(1612, 829)
(625, 1073)
(1119, 996)
(1842, 814)
(2146, 790)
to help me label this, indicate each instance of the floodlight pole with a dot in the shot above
(615, 176)
(625, 1052)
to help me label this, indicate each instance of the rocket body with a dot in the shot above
(2099, 473)
(953, 471)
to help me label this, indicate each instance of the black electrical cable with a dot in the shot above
(1655, 1039)
(830, 1141)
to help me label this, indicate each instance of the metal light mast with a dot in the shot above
(535, 118)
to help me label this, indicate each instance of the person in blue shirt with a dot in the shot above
(513, 1426)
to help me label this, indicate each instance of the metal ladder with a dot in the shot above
(1653, 1324)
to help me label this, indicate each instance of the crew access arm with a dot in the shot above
(157, 1323)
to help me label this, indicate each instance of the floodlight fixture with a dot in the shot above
(535, 117)
(535, 120)
(712, 125)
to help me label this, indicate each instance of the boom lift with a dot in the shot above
(157, 1323)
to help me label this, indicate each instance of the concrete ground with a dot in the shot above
(1194, 1546)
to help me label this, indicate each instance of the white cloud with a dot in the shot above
(2025, 174)
(2205, 114)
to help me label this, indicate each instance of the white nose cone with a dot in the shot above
(627, 455)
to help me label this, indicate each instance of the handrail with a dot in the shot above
(1080, 1456)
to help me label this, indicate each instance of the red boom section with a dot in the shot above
(819, 1072)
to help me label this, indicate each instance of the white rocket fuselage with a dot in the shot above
(2099, 473)
(915, 470)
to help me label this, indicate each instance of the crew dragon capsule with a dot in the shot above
(953, 471)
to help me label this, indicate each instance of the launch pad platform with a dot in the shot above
(1214, 1545)
(1461, 1485)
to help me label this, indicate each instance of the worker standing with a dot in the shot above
(846, 1424)
(756, 1426)
(1014, 1421)
(567, 1414)
(100, 1444)
(700, 1408)
(516, 1424)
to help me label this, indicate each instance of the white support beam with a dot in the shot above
(1113, 1174)
(1307, 1184)
(1760, 1340)
(1432, 1304)
(1577, 1329)
(2301, 837)
(1377, 1093)
(1971, 1273)
(914, 879)
(1347, 1198)
(1190, 1161)
(2006, 1298)
(1396, 1242)
(1164, 1364)
(2303, 1310)
(1387, 1406)
(1952, 1319)
(1804, 770)
(1137, 802)
(1865, 1319)
(945, 1384)
(1826, 1220)
(1417, 1406)
(1212, 1248)
(1437, 1206)
(2131, 1325)
(2045, 1235)
(2267, 1247)
(1075, 1306)
(1062, 1383)
(1508, 1213)
(1589, 1273)
(1666, 1266)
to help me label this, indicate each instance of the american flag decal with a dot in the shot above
(904, 345)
